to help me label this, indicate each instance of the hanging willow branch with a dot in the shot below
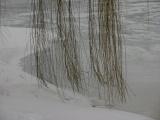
(106, 52)
(38, 36)
(67, 35)
(110, 49)
(40, 43)
(105, 45)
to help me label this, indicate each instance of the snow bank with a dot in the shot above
(22, 99)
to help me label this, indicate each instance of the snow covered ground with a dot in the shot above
(22, 99)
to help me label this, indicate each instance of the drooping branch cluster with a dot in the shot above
(108, 50)
(40, 42)
(66, 34)
(56, 42)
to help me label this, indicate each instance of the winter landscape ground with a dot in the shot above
(22, 99)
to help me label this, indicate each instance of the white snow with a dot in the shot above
(22, 99)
